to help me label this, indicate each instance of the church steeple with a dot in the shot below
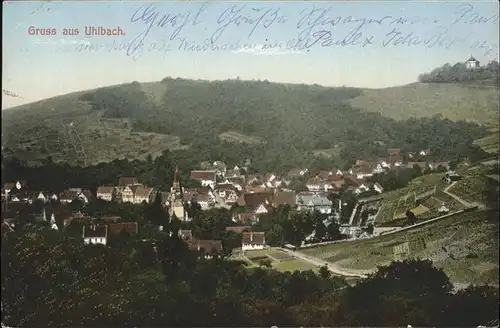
(176, 188)
(176, 174)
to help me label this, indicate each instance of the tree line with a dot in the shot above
(459, 73)
(52, 279)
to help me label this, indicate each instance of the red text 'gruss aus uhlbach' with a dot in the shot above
(87, 31)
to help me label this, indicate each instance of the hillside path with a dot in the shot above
(332, 267)
(460, 200)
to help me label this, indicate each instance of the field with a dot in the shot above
(489, 143)
(328, 153)
(233, 136)
(464, 245)
(280, 260)
(455, 102)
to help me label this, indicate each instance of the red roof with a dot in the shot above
(116, 228)
(239, 229)
(95, 231)
(127, 181)
(255, 199)
(203, 175)
(208, 246)
(253, 238)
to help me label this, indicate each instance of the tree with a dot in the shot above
(412, 291)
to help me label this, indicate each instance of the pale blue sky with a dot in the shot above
(38, 67)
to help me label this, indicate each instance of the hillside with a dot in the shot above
(279, 126)
(464, 245)
(452, 101)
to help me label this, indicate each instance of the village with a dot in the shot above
(247, 196)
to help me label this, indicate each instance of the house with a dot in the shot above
(394, 155)
(424, 152)
(105, 193)
(207, 248)
(141, 194)
(284, 198)
(239, 229)
(314, 184)
(361, 189)
(437, 165)
(110, 219)
(127, 181)
(128, 227)
(253, 240)
(219, 167)
(94, 234)
(421, 165)
(14, 186)
(52, 222)
(206, 178)
(378, 188)
(245, 217)
(127, 193)
(68, 196)
(297, 173)
(185, 234)
(253, 200)
(363, 171)
(204, 200)
(314, 202)
(263, 209)
(232, 174)
(452, 176)
(472, 63)
(42, 197)
(378, 169)
(223, 189)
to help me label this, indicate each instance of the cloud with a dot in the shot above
(259, 51)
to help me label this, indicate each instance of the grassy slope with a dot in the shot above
(465, 246)
(453, 101)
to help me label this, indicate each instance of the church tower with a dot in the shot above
(176, 203)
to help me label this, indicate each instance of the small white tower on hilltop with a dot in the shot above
(472, 63)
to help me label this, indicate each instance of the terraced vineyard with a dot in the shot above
(464, 245)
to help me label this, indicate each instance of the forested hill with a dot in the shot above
(459, 73)
(277, 126)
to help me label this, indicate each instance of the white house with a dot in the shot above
(361, 189)
(253, 240)
(105, 193)
(95, 234)
(378, 188)
(314, 202)
(472, 63)
(378, 169)
(127, 194)
(424, 152)
(315, 184)
(141, 194)
(42, 197)
(53, 224)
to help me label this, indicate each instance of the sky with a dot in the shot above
(361, 44)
